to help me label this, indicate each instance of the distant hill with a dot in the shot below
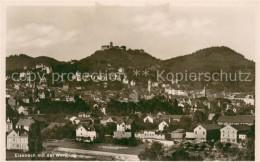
(215, 59)
(101, 60)
(211, 59)
(17, 62)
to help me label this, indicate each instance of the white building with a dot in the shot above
(74, 120)
(149, 119)
(249, 100)
(162, 125)
(150, 135)
(16, 141)
(23, 110)
(204, 132)
(234, 133)
(123, 125)
(86, 134)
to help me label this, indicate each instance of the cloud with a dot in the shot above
(39, 35)
(165, 24)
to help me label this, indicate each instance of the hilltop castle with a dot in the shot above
(105, 47)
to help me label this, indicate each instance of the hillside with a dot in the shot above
(101, 60)
(211, 60)
(17, 62)
(208, 60)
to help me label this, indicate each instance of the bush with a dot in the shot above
(126, 141)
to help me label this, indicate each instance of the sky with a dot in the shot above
(75, 32)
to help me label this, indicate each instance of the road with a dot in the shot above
(117, 156)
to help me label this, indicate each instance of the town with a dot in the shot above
(205, 124)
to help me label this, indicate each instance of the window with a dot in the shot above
(203, 133)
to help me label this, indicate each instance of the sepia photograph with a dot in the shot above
(132, 81)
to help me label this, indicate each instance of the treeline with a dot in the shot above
(156, 152)
(56, 107)
(66, 131)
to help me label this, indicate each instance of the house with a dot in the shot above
(206, 132)
(9, 125)
(123, 128)
(23, 110)
(147, 134)
(151, 135)
(149, 118)
(171, 118)
(65, 87)
(70, 98)
(162, 125)
(12, 101)
(74, 120)
(25, 123)
(16, 141)
(86, 133)
(249, 100)
(133, 96)
(105, 120)
(211, 115)
(189, 135)
(178, 135)
(39, 66)
(86, 121)
(17, 86)
(124, 124)
(236, 120)
(41, 95)
(84, 114)
(234, 133)
(25, 100)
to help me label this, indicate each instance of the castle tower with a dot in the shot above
(111, 44)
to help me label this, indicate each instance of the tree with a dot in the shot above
(199, 117)
(230, 112)
(186, 123)
(35, 138)
(215, 118)
(218, 145)
(155, 152)
(180, 155)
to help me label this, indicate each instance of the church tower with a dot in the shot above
(149, 85)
